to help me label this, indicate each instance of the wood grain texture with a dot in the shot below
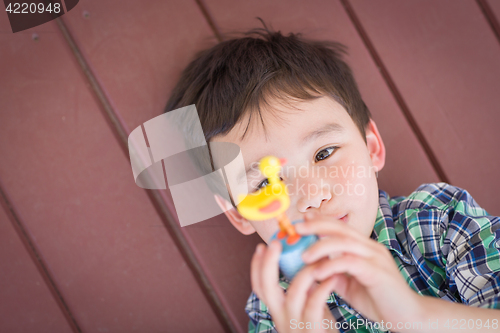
(491, 11)
(27, 303)
(495, 7)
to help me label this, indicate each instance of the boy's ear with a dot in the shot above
(375, 145)
(238, 221)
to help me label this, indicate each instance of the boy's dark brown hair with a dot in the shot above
(240, 75)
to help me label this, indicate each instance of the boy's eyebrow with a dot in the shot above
(326, 129)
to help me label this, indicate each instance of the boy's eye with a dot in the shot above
(263, 183)
(324, 153)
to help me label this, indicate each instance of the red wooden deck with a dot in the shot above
(83, 249)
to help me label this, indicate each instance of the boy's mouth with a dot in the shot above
(344, 219)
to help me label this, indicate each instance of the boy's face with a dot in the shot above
(330, 169)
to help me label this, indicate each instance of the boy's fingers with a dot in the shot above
(367, 272)
(341, 284)
(255, 269)
(296, 293)
(328, 246)
(269, 277)
(313, 309)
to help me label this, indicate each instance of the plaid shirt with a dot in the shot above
(443, 243)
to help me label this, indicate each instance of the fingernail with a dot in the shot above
(259, 249)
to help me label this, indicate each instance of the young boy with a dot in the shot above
(427, 262)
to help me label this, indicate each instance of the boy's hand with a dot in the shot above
(304, 301)
(363, 271)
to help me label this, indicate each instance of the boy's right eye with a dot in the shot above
(263, 183)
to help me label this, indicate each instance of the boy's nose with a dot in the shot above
(313, 201)
(308, 191)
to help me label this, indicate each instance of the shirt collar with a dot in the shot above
(384, 229)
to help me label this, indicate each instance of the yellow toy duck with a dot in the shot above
(270, 201)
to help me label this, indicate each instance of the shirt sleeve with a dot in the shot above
(260, 318)
(470, 246)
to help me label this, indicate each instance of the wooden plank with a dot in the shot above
(493, 15)
(72, 184)
(27, 304)
(443, 56)
(495, 6)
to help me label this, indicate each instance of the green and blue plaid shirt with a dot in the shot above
(443, 243)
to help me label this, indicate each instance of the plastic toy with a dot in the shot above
(272, 201)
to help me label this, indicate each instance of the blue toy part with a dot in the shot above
(291, 257)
